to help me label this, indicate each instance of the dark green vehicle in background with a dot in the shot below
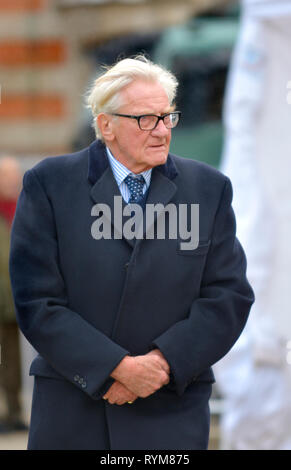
(199, 54)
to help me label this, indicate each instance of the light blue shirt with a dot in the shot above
(120, 172)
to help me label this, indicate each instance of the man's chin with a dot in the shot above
(159, 158)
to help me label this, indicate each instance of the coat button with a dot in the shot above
(126, 265)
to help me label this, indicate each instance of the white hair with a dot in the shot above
(104, 96)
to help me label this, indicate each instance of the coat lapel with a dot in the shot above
(161, 191)
(104, 187)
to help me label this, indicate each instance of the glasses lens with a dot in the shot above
(147, 123)
(171, 120)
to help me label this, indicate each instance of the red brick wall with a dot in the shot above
(32, 52)
(31, 106)
(22, 4)
(28, 101)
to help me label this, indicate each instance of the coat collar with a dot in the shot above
(98, 163)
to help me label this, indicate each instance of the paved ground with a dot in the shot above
(13, 441)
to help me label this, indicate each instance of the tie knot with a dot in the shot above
(135, 185)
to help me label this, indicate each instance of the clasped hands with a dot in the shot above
(138, 376)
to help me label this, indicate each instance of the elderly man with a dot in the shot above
(127, 322)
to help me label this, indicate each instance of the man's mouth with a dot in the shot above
(157, 146)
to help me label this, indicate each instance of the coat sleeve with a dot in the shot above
(218, 316)
(72, 346)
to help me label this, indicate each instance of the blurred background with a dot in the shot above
(232, 60)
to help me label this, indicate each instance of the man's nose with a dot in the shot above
(161, 129)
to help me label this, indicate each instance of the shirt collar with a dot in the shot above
(120, 171)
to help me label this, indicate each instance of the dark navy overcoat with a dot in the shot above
(84, 303)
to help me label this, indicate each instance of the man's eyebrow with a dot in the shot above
(169, 110)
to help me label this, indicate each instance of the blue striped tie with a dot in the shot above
(135, 185)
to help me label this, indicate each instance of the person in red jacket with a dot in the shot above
(10, 184)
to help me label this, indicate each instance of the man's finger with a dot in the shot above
(165, 366)
(163, 361)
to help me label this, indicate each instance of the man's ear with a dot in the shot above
(104, 122)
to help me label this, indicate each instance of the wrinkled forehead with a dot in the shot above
(144, 96)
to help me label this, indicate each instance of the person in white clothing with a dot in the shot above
(255, 378)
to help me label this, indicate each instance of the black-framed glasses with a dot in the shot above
(148, 122)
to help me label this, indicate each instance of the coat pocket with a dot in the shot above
(205, 376)
(202, 249)
(41, 368)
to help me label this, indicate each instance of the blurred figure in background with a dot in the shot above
(255, 377)
(10, 376)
